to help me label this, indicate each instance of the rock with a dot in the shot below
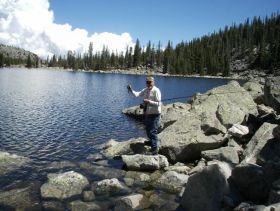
(272, 93)
(255, 90)
(60, 165)
(163, 201)
(221, 107)
(64, 185)
(179, 168)
(238, 130)
(236, 146)
(264, 110)
(276, 132)
(205, 190)
(171, 181)
(102, 171)
(225, 154)
(274, 195)
(137, 178)
(258, 141)
(110, 186)
(145, 162)
(53, 206)
(250, 181)
(199, 167)
(132, 202)
(20, 199)
(134, 111)
(133, 146)
(83, 206)
(88, 196)
(184, 140)
(11, 162)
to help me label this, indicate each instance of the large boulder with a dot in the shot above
(225, 154)
(11, 162)
(145, 162)
(221, 107)
(250, 181)
(206, 189)
(184, 140)
(171, 181)
(64, 185)
(255, 89)
(272, 93)
(258, 141)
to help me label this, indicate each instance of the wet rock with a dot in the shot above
(135, 177)
(101, 171)
(258, 141)
(60, 165)
(53, 206)
(145, 162)
(11, 162)
(88, 196)
(132, 202)
(64, 185)
(226, 154)
(20, 199)
(83, 206)
(205, 190)
(133, 146)
(163, 201)
(171, 181)
(110, 186)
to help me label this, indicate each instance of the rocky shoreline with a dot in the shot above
(220, 151)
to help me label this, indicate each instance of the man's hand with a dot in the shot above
(146, 101)
(129, 88)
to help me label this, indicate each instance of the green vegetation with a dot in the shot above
(255, 42)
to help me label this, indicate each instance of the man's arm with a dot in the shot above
(136, 94)
(157, 101)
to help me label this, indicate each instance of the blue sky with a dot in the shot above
(155, 20)
(54, 27)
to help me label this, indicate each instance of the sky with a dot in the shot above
(48, 27)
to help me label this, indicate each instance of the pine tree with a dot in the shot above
(28, 62)
(137, 54)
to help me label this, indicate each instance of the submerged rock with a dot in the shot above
(110, 186)
(64, 185)
(132, 202)
(11, 162)
(80, 206)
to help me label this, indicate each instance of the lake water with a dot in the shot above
(56, 116)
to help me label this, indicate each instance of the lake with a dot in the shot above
(58, 115)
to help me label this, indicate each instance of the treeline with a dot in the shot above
(7, 61)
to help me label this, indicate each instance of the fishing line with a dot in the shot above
(188, 96)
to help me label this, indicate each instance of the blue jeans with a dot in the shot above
(152, 124)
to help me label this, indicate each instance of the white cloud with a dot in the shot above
(29, 24)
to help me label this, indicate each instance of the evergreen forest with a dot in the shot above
(256, 41)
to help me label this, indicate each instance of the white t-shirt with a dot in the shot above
(154, 95)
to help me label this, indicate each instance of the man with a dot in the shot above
(152, 110)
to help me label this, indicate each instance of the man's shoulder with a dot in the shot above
(156, 89)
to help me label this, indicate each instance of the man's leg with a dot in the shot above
(154, 133)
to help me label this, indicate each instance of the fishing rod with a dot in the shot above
(188, 96)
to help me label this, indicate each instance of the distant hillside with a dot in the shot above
(10, 55)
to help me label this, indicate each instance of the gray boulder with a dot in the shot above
(258, 141)
(171, 181)
(206, 189)
(238, 130)
(145, 162)
(184, 140)
(110, 186)
(64, 185)
(132, 202)
(221, 107)
(11, 162)
(272, 93)
(255, 89)
(180, 168)
(117, 148)
(250, 181)
(225, 154)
